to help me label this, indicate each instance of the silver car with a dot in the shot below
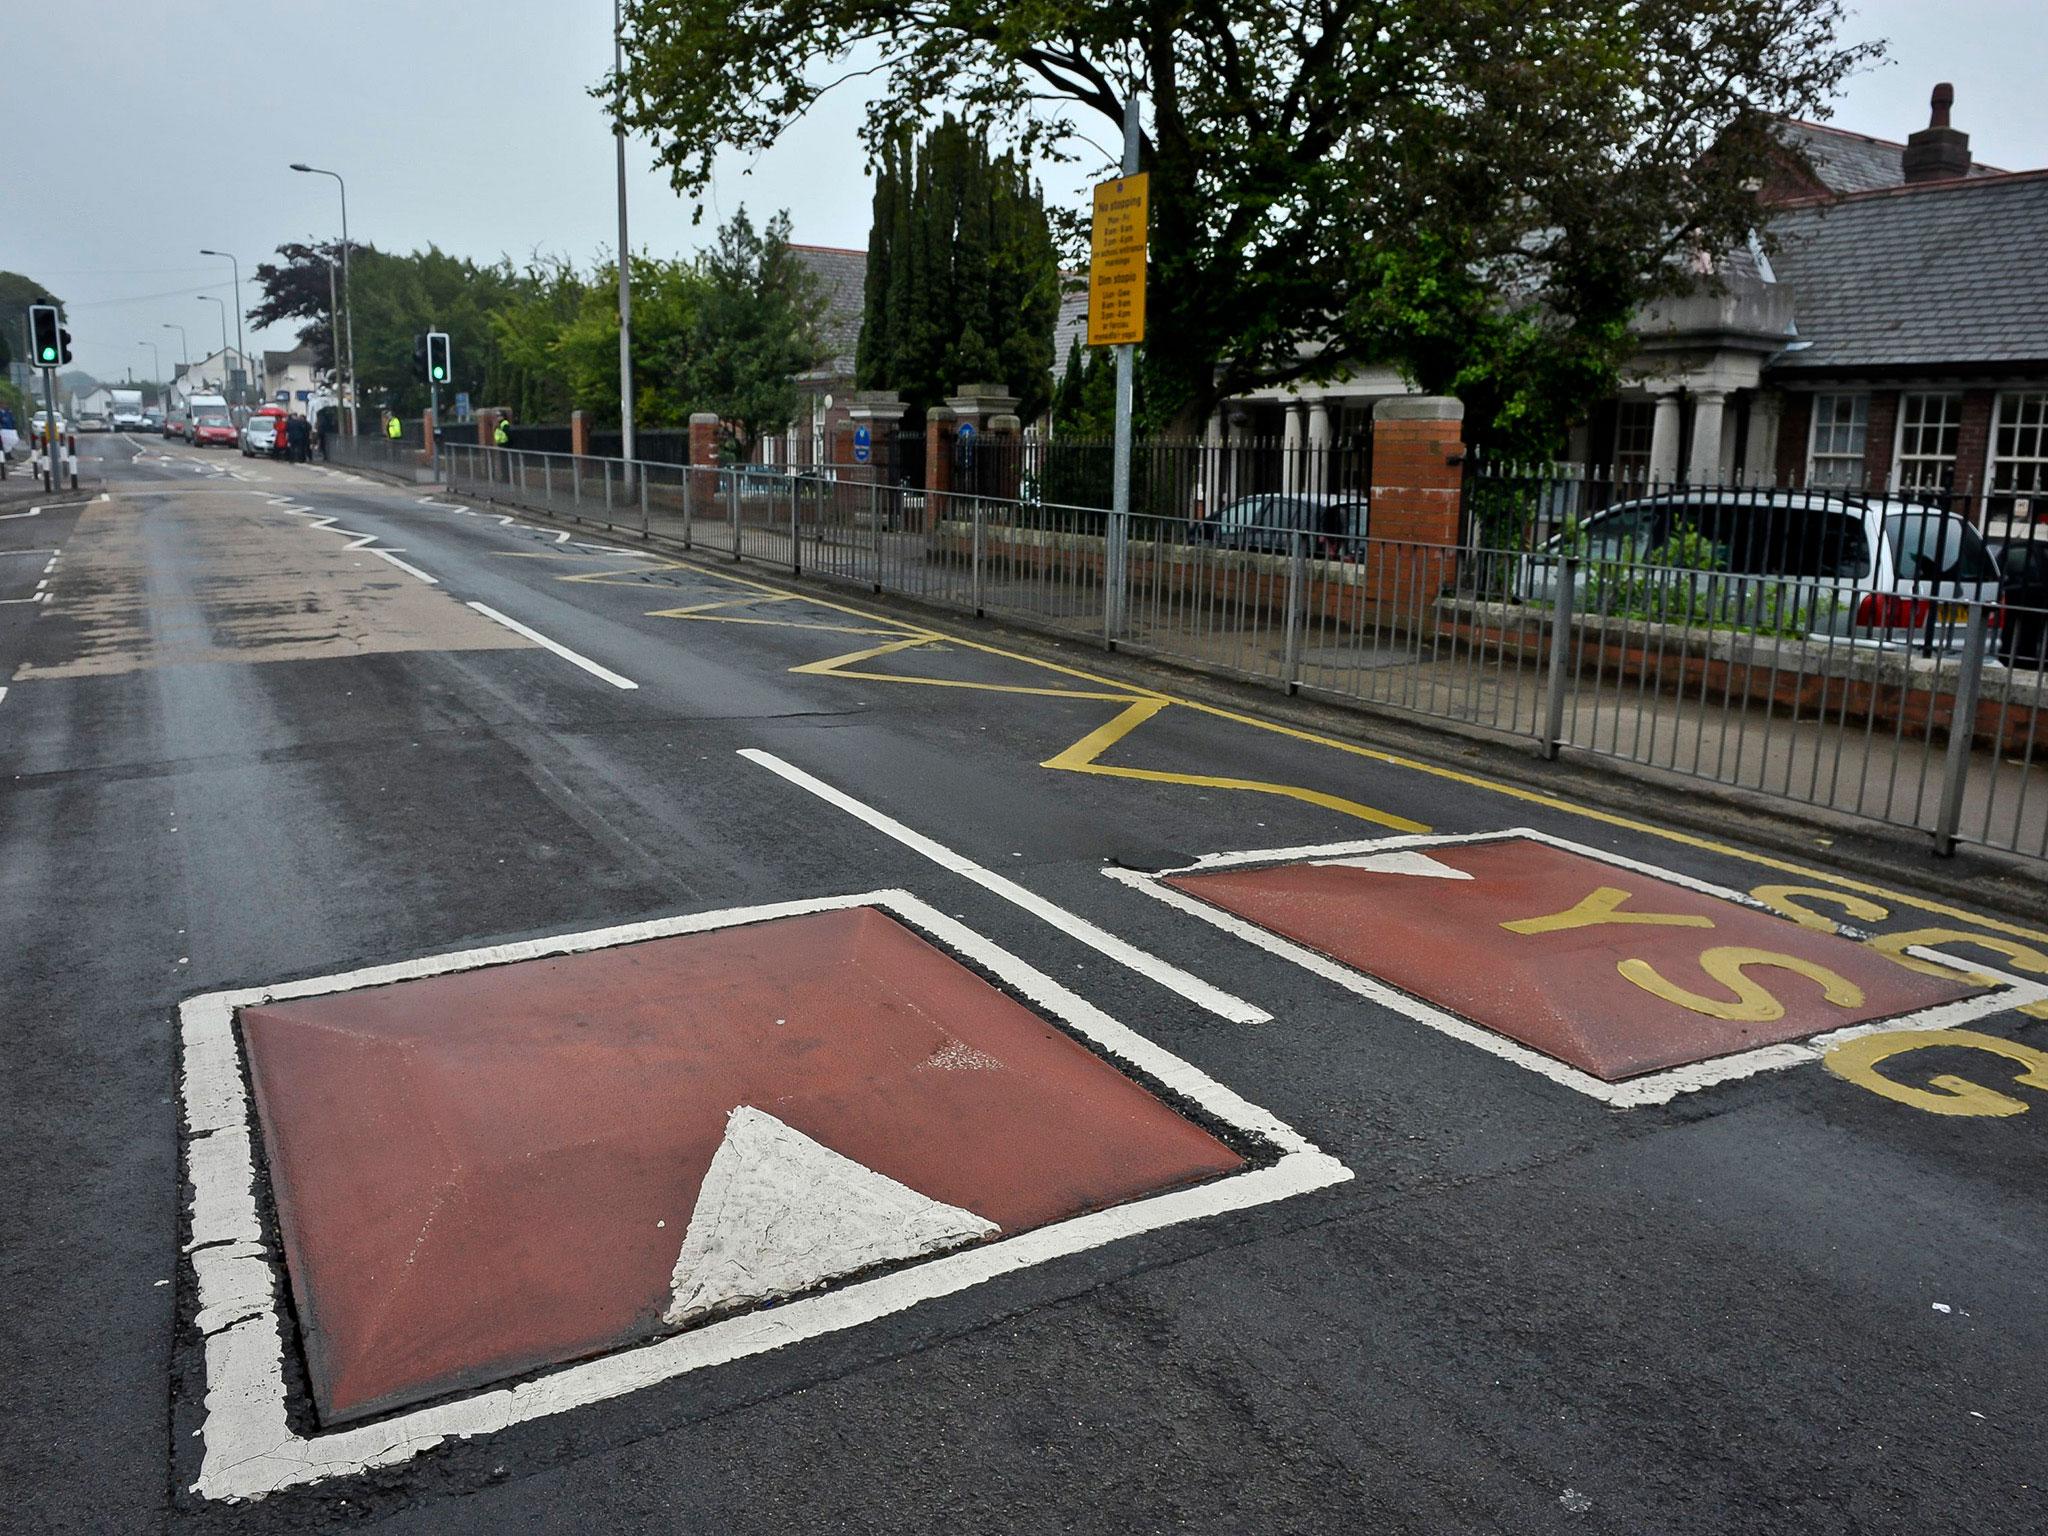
(259, 435)
(1867, 569)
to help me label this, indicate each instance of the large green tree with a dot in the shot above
(963, 275)
(1479, 192)
(757, 329)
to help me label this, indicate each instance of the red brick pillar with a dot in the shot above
(1414, 517)
(704, 439)
(1005, 440)
(487, 427)
(579, 434)
(941, 427)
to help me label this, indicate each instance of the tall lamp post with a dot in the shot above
(185, 349)
(625, 268)
(241, 346)
(347, 298)
(157, 370)
(223, 303)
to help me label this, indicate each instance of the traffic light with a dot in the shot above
(48, 344)
(439, 370)
(419, 356)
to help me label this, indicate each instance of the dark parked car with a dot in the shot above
(1266, 524)
(2023, 590)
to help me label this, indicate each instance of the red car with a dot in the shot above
(211, 431)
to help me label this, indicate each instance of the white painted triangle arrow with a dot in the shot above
(780, 1214)
(1401, 861)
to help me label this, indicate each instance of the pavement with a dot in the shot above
(519, 1031)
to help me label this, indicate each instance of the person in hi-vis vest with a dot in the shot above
(393, 430)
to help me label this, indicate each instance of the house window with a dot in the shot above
(2019, 451)
(1928, 427)
(1841, 423)
(1634, 421)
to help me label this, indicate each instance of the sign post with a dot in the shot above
(1116, 317)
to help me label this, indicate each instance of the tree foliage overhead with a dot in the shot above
(963, 275)
(1478, 192)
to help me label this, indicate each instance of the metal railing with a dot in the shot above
(1923, 712)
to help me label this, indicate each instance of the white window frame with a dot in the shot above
(1858, 424)
(2029, 495)
(1637, 464)
(1952, 424)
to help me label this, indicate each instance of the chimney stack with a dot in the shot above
(1938, 152)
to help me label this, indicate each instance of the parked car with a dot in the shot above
(2023, 589)
(152, 420)
(1266, 524)
(213, 432)
(175, 424)
(273, 443)
(1870, 570)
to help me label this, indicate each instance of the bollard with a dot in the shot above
(1962, 729)
(1566, 599)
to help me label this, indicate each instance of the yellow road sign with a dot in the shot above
(1116, 261)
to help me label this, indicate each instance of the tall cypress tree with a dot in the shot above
(963, 278)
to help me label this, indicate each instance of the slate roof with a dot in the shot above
(1852, 162)
(1073, 317)
(843, 276)
(1943, 272)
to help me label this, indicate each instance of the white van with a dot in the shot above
(203, 405)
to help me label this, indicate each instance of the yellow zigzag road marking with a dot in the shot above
(1514, 792)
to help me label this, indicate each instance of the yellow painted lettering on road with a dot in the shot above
(1790, 901)
(1857, 1061)
(2022, 957)
(1753, 1004)
(1600, 909)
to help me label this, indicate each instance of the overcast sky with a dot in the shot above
(469, 126)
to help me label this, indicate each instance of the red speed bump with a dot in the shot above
(1610, 970)
(492, 1170)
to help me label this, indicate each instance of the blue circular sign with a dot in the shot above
(967, 429)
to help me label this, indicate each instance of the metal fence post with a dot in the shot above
(607, 492)
(522, 475)
(689, 503)
(733, 501)
(875, 528)
(1297, 569)
(1962, 729)
(1114, 552)
(796, 543)
(980, 538)
(646, 528)
(1561, 613)
(576, 485)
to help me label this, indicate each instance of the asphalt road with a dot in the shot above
(239, 746)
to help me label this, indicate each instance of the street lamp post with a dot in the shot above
(184, 346)
(241, 346)
(625, 269)
(347, 297)
(223, 303)
(156, 369)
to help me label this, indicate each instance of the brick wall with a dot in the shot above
(1878, 441)
(1973, 439)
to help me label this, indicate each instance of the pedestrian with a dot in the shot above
(393, 430)
(298, 432)
(501, 436)
(322, 434)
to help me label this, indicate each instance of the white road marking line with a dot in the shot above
(410, 570)
(556, 646)
(249, 1447)
(562, 537)
(1210, 998)
(1633, 1093)
(3, 693)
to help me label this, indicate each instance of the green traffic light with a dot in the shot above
(49, 354)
